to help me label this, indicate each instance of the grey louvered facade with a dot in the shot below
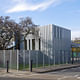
(53, 41)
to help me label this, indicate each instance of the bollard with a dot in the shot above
(72, 58)
(31, 65)
(7, 66)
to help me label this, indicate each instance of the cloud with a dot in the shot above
(24, 5)
(75, 34)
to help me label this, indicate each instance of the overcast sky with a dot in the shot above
(65, 13)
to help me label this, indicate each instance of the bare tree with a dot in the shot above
(28, 26)
(8, 30)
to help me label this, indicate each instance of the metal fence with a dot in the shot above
(75, 57)
(20, 59)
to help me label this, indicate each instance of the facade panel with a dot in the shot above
(54, 42)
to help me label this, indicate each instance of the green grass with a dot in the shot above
(21, 67)
(26, 67)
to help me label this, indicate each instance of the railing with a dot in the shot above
(20, 59)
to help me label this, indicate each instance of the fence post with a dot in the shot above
(23, 58)
(17, 60)
(54, 57)
(7, 66)
(43, 59)
(72, 58)
(29, 59)
(10, 58)
(31, 63)
(58, 57)
(66, 57)
(36, 59)
(49, 54)
(63, 56)
(4, 57)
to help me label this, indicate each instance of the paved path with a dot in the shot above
(26, 75)
(66, 74)
(55, 68)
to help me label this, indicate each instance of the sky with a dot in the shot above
(64, 13)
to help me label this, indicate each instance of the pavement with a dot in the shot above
(55, 68)
(43, 73)
(67, 74)
(26, 75)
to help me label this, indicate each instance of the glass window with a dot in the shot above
(33, 44)
(29, 44)
(39, 44)
(25, 44)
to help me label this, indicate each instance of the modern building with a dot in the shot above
(76, 45)
(52, 41)
(76, 50)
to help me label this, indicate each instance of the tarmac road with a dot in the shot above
(9, 78)
(66, 74)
